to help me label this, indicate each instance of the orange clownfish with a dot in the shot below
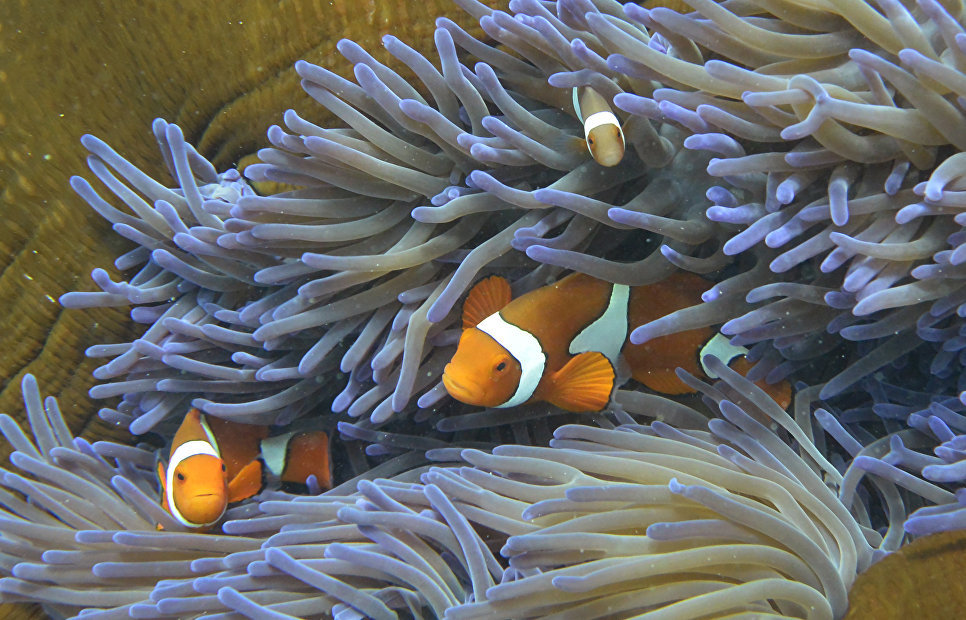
(602, 130)
(214, 462)
(560, 343)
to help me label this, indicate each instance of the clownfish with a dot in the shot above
(214, 462)
(561, 343)
(602, 130)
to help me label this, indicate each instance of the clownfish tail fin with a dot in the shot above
(308, 455)
(487, 297)
(296, 455)
(583, 384)
(246, 482)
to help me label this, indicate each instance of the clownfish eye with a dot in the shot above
(222, 467)
(501, 366)
(180, 476)
(590, 140)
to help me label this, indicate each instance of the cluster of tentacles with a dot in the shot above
(803, 156)
(742, 515)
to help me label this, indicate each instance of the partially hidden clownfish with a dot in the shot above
(561, 343)
(602, 130)
(215, 462)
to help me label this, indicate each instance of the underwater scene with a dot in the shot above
(478, 310)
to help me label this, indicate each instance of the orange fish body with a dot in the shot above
(560, 343)
(214, 462)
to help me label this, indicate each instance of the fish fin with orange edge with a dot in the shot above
(161, 473)
(308, 454)
(583, 384)
(780, 392)
(164, 493)
(488, 296)
(246, 483)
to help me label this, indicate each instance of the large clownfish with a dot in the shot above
(561, 343)
(214, 462)
(602, 130)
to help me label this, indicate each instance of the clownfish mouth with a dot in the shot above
(457, 390)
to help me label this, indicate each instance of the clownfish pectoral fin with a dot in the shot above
(160, 466)
(488, 296)
(246, 482)
(583, 384)
(164, 493)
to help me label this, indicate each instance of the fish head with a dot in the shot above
(199, 488)
(606, 144)
(481, 372)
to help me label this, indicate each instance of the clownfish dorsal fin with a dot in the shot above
(583, 384)
(246, 483)
(193, 427)
(488, 296)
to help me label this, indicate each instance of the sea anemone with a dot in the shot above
(740, 516)
(253, 300)
(812, 138)
(804, 157)
(901, 459)
(836, 132)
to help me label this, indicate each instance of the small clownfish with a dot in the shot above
(214, 462)
(561, 343)
(602, 130)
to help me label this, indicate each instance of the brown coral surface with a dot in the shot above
(914, 581)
